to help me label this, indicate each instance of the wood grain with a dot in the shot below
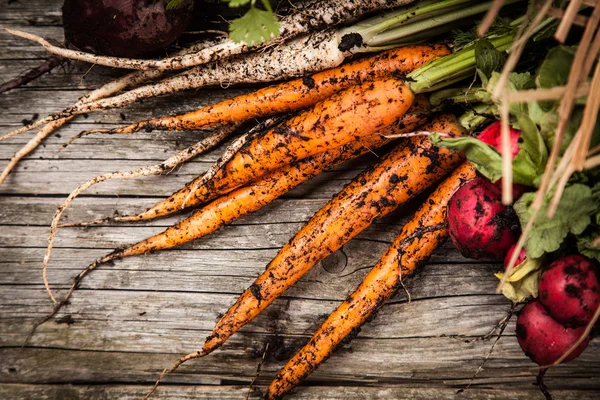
(131, 319)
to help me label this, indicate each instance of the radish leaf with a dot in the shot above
(573, 215)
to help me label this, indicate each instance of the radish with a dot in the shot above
(480, 226)
(522, 256)
(545, 340)
(570, 290)
(492, 135)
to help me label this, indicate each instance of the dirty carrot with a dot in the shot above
(413, 118)
(235, 205)
(348, 115)
(289, 96)
(299, 93)
(419, 238)
(405, 171)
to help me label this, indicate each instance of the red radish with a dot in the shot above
(543, 339)
(480, 226)
(522, 256)
(570, 290)
(492, 135)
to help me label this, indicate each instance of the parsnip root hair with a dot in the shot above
(106, 90)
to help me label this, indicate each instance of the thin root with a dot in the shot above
(200, 147)
(191, 356)
(65, 300)
(539, 382)
(82, 134)
(502, 325)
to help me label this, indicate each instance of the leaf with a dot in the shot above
(523, 282)
(589, 244)
(238, 3)
(573, 215)
(555, 69)
(520, 81)
(488, 160)
(532, 142)
(488, 58)
(174, 4)
(255, 27)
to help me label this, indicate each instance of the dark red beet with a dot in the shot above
(543, 339)
(570, 290)
(124, 28)
(492, 136)
(480, 226)
(522, 256)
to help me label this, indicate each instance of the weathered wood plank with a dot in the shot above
(131, 392)
(134, 318)
(436, 362)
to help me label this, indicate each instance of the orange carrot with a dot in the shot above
(246, 200)
(346, 116)
(299, 93)
(419, 238)
(404, 172)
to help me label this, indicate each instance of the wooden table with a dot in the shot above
(130, 320)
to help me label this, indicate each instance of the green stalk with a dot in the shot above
(476, 116)
(370, 28)
(410, 29)
(447, 70)
(419, 37)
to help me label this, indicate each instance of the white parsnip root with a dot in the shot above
(310, 53)
(310, 16)
(109, 89)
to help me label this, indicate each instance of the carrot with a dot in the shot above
(299, 93)
(419, 238)
(404, 172)
(242, 201)
(289, 96)
(235, 205)
(408, 169)
(345, 116)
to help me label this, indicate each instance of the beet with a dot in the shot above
(124, 28)
(522, 256)
(570, 290)
(480, 226)
(543, 339)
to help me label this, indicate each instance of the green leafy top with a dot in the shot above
(174, 4)
(578, 211)
(254, 27)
